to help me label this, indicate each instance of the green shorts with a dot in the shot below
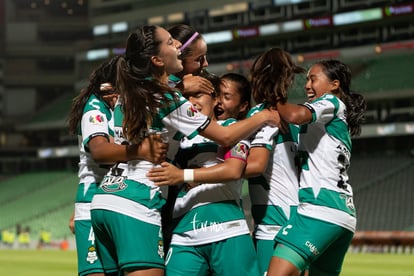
(264, 249)
(88, 260)
(274, 217)
(125, 243)
(233, 256)
(313, 243)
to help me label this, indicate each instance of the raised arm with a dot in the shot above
(294, 113)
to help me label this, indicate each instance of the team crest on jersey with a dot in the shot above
(96, 119)
(112, 184)
(92, 256)
(192, 111)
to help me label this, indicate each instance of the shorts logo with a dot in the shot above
(286, 228)
(92, 256)
(312, 248)
(97, 119)
(111, 184)
(161, 249)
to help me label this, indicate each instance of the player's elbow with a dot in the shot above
(299, 115)
(225, 140)
(235, 174)
(98, 158)
(235, 171)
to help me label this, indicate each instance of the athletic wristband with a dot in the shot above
(188, 175)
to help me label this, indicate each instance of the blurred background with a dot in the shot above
(48, 48)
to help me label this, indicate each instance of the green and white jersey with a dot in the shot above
(97, 120)
(118, 172)
(137, 196)
(119, 137)
(274, 193)
(325, 153)
(208, 212)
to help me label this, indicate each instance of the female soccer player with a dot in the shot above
(318, 235)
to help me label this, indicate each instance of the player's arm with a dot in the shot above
(256, 161)
(294, 113)
(72, 222)
(105, 151)
(229, 135)
(168, 174)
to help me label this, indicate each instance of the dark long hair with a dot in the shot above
(140, 91)
(105, 72)
(355, 103)
(272, 74)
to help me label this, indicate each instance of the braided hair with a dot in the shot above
(140, 91)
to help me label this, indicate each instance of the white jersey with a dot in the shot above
(208, 212)
(97, 120)
(325, 152)
(275, 193)
(137, 196)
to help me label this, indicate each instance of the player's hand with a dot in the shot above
(166, 174)
(110, 99)
(153, 149)
(272, 117)
(195, 84)
(108, 94)
(72, 223)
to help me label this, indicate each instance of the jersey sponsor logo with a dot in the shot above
(343, 116)
(96, 119)
(119, 133)
(112, 184)
(344, 150)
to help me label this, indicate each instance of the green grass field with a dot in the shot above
(63, 263)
